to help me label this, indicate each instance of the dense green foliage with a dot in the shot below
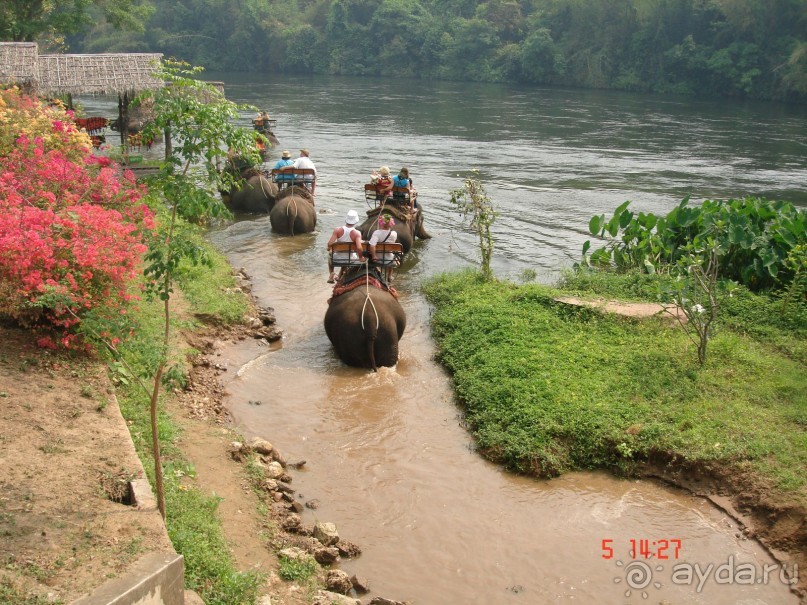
(550, 387)
(761, 243)
(743, 48)
(48, 21)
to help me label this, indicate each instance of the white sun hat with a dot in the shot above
(352, 218)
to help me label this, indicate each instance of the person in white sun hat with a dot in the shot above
(346, 233)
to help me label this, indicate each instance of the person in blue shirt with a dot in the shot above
(403, 181)
(284, 161)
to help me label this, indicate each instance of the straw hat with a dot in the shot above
(286, 155)
(304, 152)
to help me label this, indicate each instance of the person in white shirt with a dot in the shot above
(383, 235)
(347, 233)
(304, 161)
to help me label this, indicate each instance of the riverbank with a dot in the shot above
(551, 387)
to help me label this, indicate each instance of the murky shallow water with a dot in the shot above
(393, 467)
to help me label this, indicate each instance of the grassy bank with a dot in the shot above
(192, 521)
(550, 387)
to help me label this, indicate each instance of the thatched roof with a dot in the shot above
(18, 63)
(104, 74)
(117, 73)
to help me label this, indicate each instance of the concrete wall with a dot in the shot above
(156, 579)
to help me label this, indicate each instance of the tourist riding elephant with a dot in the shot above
(255, 195)
(406, 227)
(293, 211)
(364, 320)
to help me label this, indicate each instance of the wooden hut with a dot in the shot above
(121, 74)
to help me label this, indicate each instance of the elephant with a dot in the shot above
(293, 211)
(255, 196)
(406, 226)
(364, 320)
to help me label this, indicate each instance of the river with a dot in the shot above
(389, 457)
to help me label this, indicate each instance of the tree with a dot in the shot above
(29, 20)
(199, 120)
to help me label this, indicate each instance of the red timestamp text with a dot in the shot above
(644, 548)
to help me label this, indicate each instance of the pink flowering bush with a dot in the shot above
(72, 230)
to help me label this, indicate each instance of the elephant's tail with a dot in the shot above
(291, 217)
(370, 329)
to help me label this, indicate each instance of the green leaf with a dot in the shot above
(595, 224)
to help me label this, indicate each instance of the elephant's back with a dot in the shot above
(293, 214)
(356, 316)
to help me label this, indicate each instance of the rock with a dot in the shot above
(291, 523)
(277, 496)
(348, 549)
(296, 465)
(325, 597)
(338, 581)
(278, 457)
(239, 452)
(286, 489)
(296, 507)
(254, 322)
(262, 446)
(383, 601)
(312, 504)
(285, 477)
(269, 485)
(293, 553)
(192, 598)
(270, 333)
(274, 470)
(264, 600)
(326, 555)
(326, 533)
(360, 584)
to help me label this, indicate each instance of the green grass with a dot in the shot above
(14, 594)
(297, 570)
(192, 520)
(551, 388)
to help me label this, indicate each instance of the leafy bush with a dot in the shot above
(756, 238)
(72, 231)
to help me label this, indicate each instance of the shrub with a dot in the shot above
(72, 230)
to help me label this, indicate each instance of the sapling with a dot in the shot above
(472, 202)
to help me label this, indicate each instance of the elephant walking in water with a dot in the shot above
(255, 195)
(293, 211)
(407, 226)
(364, 320)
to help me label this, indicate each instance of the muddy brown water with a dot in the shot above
(391, 464)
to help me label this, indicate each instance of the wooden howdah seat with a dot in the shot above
(399, 195)
(294, 176)
(343, 254)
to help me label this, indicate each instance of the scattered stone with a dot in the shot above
(338, 581)
(326, 555)
(254, 323)
(277, 496)
(269, 485)
(312, 504)
(285, 477)
(325, 597)
(192, 598)
(238, 451)
(326, 533)
(291, 523)
(288, 489)
(296, 465)
(360, 584)
(288, 497)
(296, 507)
(264, 600)
(348, 549)
(274, 470)
(266, 315)
(293, 553)
(255, 402)
(383, 601)
(278, 457)
(270, 333)
(261, 445)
